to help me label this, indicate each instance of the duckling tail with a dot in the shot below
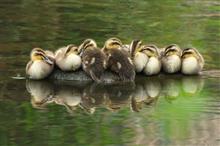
(128, 75)
(94, 77)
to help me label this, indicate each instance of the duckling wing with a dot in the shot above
(28, 66)
(93, 63)
(120, 62)
(201, 59)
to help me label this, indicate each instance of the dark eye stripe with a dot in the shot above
(187, 52)
(39, 53)
(116, 40)
(152, 46)
(68, 50)
(116, 43)
(88, 45)
(187, 49)
(169, 47)
(148, 48)
(171, 50)
(39, 50)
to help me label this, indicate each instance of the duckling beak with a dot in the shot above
(47, 60)
(80, 49)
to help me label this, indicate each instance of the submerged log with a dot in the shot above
(110, 77)
(80, 75)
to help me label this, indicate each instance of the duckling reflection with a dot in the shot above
(110, 96)
(153, 89)
(119, 95)
(93, 95)
(42, 93)
(192, 84)
(68, 96)
(138, 97)
(146, 93)
(171, 88)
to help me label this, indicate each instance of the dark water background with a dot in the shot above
(164, 110)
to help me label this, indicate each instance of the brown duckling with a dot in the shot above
(119, 61)
(93, 59)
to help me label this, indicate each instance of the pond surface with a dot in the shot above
(162, 110)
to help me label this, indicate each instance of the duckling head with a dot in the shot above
(88, 43)
(38, 50)
(135, 47)
(38, 54)
(150, 50)
(189, 52)
(172, 50)
(112, 43)
(71, 49)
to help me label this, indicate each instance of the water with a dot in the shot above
(164, 110)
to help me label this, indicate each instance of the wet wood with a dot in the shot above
(109, 77)
(80, 75)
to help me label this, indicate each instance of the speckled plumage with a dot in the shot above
(93, 59)
(119, 60)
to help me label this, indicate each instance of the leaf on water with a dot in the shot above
(18, 77)
(154, 24)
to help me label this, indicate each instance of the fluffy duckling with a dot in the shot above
(67, 58)
(171, 60)
(119, 61)
(40, 65)
(93, 59)
(153, 65)
(192, 61)
(139, 58)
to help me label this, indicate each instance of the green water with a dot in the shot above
(165, 110)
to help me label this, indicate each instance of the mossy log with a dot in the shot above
(110, 77)
(80, 75)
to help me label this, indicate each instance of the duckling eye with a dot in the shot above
(150, 52)
(68, 50)
(115, 44)
(37, 56)
(140, 43)
(88, 45)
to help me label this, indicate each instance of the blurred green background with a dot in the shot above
(177, 118)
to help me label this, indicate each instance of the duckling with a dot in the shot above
(119, 61)
(192, 61)
(67, 58)
(125, 47)
(171, 60)
(93, 59)
(153, 65)
(40, 65)
(139, 58)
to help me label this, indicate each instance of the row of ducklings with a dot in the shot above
(124, 60)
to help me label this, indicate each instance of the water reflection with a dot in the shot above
(113, 97)
(41, 92)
